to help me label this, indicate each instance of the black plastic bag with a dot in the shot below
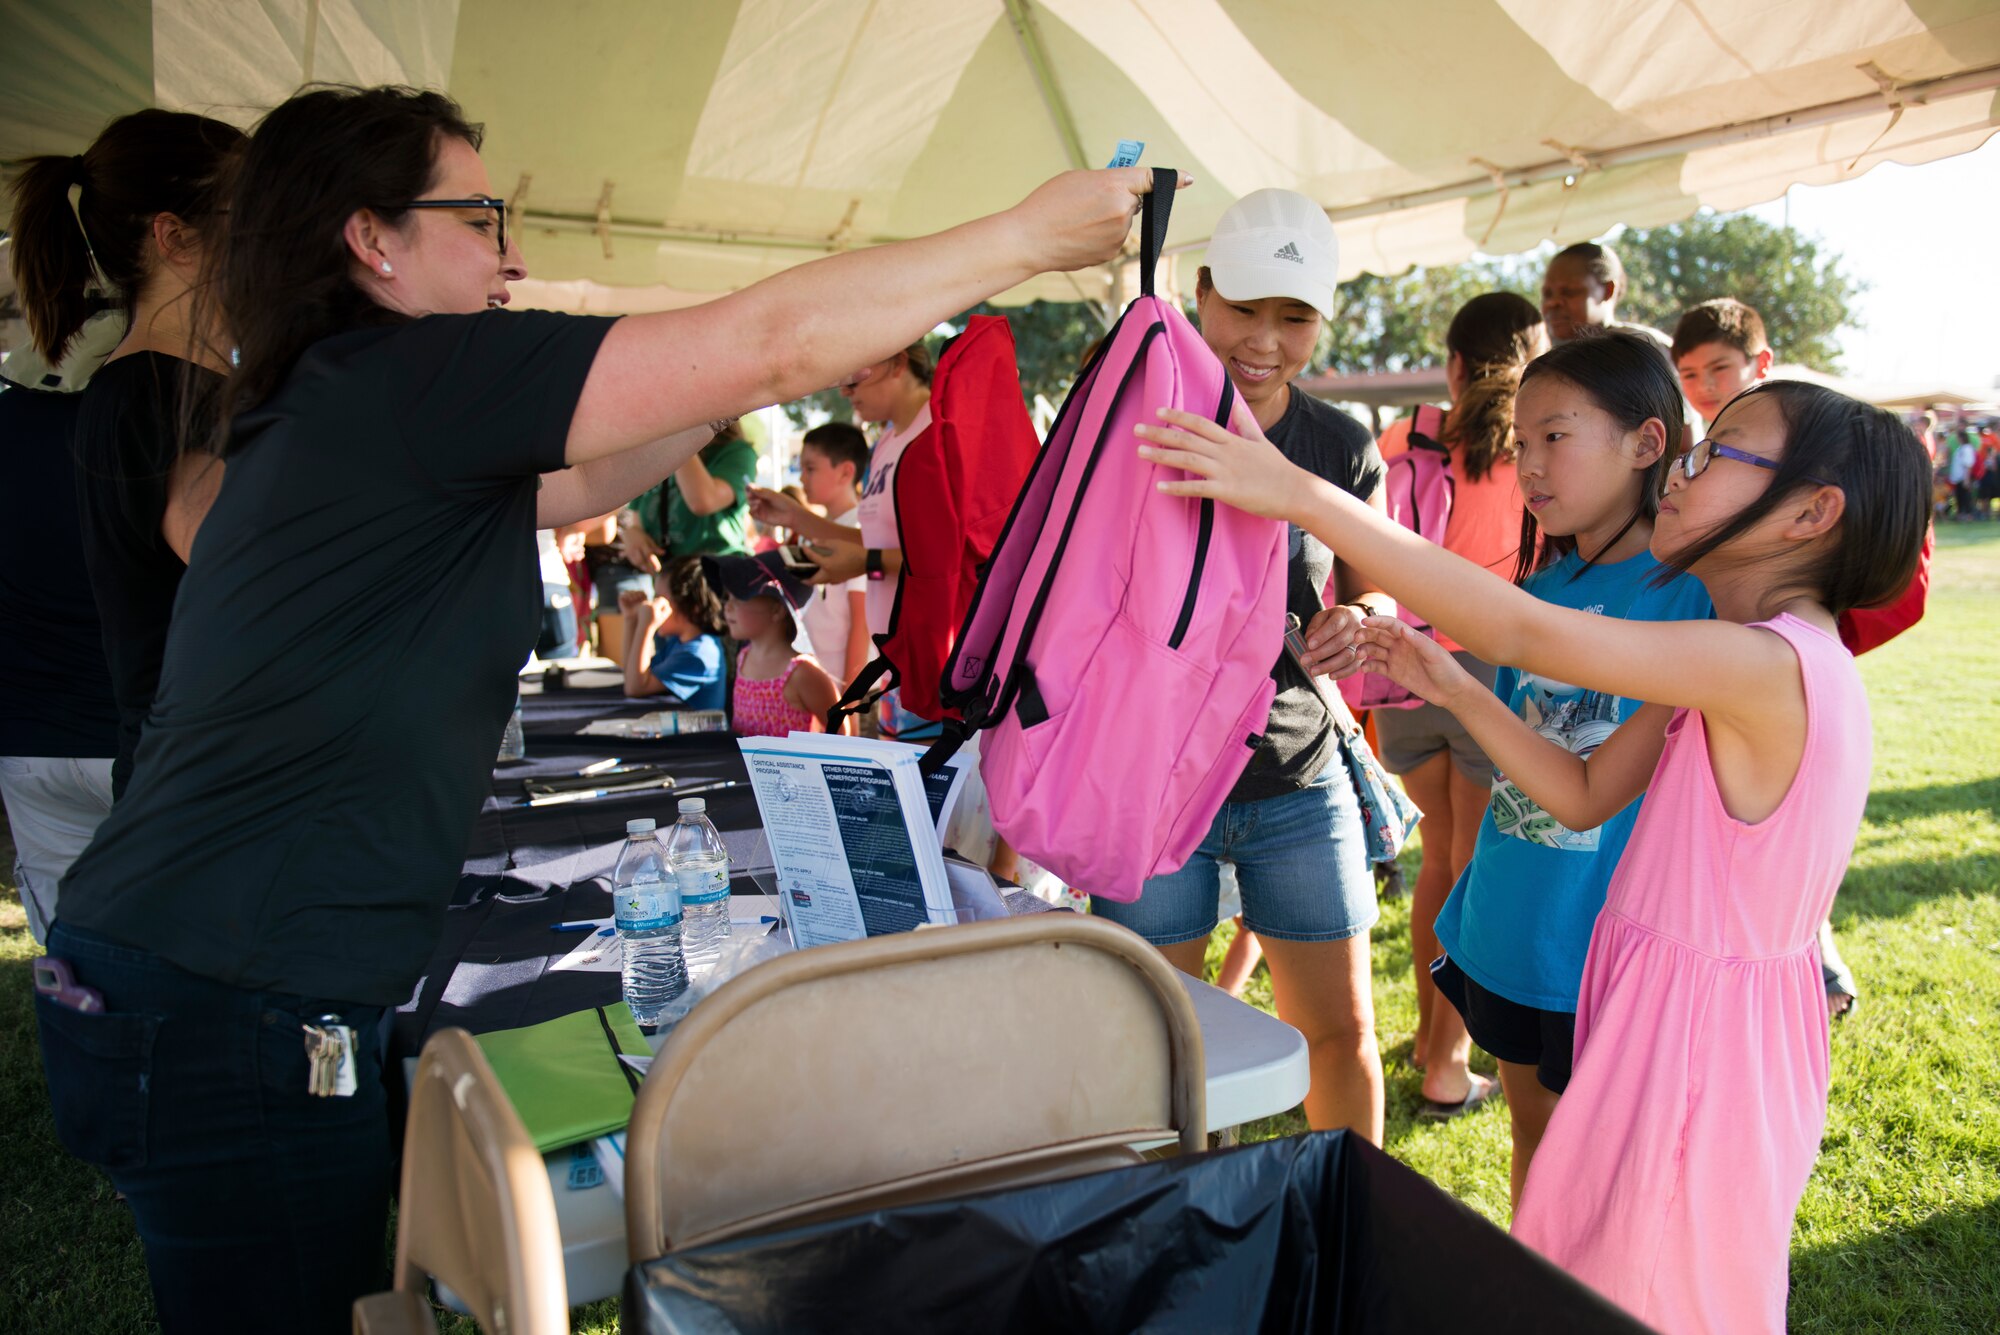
(1311, 1233)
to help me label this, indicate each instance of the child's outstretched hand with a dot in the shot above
(1414, 661)
(1240, 467)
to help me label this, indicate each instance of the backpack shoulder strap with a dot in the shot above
(1427, 428)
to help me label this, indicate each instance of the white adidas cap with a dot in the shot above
(1275, 243)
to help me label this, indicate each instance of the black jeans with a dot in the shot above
(260, 1205)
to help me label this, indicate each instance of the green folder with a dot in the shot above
(564, 1075)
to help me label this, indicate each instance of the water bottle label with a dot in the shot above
(637, 911)
(703, 885)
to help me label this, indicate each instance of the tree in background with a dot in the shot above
(1796, 284)
(1398, 323)
(1050, 338)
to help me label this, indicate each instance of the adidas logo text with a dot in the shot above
(1289, 252)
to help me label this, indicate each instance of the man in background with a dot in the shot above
(1581, 290)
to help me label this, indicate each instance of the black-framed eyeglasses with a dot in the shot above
(1705, 452)
(499, 207)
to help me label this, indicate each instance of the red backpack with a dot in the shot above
(1418, 487)
(954, 488)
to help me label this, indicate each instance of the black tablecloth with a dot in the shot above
(528, 868)
(1311, 1233)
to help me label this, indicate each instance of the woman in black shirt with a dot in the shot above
(134, 215)
(343, 653)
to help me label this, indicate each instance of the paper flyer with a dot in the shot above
(852, 835)
(942, 789)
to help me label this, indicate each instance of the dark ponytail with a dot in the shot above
(1494, 335)
(142, 165)
(1628, 376)
(315, 160)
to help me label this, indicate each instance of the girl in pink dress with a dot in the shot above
(1676, 1159)
(778, 692)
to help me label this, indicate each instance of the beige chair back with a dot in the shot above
(917, 1066)
(476, 1212)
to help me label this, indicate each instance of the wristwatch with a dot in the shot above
(873, 564)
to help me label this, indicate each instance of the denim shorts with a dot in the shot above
(1301, 865)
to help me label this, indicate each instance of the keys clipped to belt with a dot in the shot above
(329, 1058)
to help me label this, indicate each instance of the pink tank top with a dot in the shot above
(1731, 890)
(760, 708)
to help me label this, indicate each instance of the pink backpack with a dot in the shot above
(1118, 650)
(1418, 488)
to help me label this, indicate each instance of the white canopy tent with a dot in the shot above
(686, 149)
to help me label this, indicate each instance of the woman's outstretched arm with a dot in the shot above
(804, 329)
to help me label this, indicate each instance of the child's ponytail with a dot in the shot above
(1493, 336)
(1628, 376)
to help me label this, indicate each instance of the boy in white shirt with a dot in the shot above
(833, 459)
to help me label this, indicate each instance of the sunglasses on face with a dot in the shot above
(498, 206)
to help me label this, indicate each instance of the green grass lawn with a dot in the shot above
(1900, 1227)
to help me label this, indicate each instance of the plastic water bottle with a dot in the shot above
(701, 866)
(513, 743)
(646, 904)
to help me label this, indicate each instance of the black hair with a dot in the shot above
(687, 588)
(313, 162)
(1885, 480)
(1628, 376)
(841, 443)
(142, 165)
(1601, 260)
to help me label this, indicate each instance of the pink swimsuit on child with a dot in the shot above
(760, 708)
(1675, 1161)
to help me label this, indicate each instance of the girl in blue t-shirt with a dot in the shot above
(675, 647)
(1597, 420)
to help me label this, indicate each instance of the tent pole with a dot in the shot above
(1045, 79)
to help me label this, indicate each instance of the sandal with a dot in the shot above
(1842, 995)
(1483, 1088)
